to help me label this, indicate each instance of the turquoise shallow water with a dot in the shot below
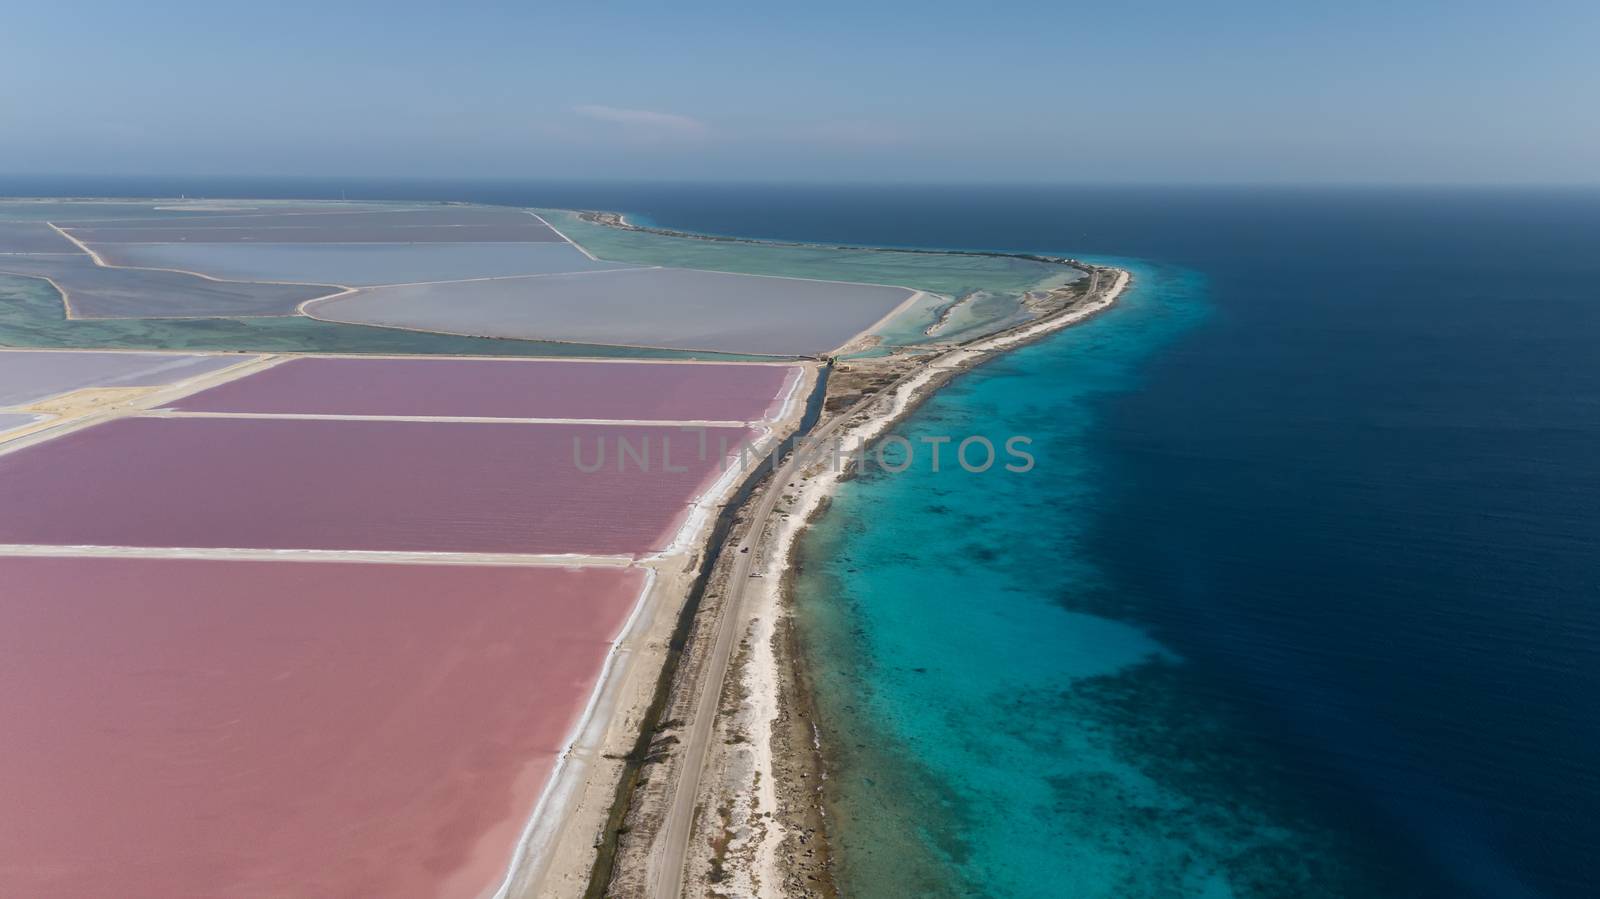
(993, 734)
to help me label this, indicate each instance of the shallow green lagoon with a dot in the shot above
(999, 282)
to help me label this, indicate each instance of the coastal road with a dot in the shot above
(667, 867)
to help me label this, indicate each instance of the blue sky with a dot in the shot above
(1135, 91)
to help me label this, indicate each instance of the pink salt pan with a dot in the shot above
(227, 729)
(481, 388)
(241, 483)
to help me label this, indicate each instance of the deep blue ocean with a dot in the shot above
(1303, 595)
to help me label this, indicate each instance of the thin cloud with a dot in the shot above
(643, 120)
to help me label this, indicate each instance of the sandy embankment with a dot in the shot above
(760, 832)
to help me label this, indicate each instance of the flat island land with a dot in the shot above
(251, 399)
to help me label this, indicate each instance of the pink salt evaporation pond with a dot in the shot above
(179, 728)
(484, 388)
(373, 485)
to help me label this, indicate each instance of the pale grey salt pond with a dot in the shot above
(62, 210)
(428, 226)
(656, 307)
(325, 218)
(356, 264)
(10, 421)
(28, 376)
(534, 233)
(33, 237)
